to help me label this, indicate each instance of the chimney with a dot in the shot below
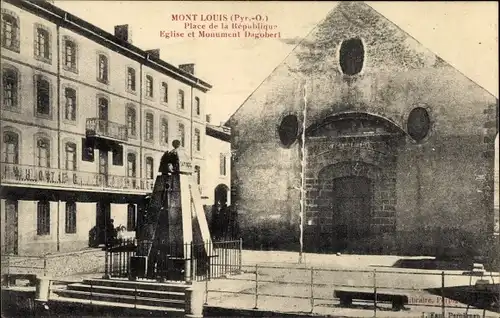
(154, 53)
(209, 117)
(188, 68)
(123, 32)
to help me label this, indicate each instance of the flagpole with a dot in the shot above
(303, 178)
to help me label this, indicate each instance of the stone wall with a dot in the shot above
(436, 194)
(56, 265)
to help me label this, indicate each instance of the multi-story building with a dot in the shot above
(85, 119)
(217, 182)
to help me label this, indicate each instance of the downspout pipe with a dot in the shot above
(303, 176)
(58, 39)
(191, 123)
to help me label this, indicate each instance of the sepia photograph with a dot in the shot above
(249, 159)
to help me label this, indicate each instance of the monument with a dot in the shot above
(173, 224)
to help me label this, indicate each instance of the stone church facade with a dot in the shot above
(392, 146)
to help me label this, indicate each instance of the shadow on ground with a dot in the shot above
(436, 264)
(485, 296)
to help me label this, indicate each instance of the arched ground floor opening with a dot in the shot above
(223, 218)
(351, 183)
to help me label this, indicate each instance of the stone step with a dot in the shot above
(159, 294)
(144, 285)
(164, 311)
(167, 303)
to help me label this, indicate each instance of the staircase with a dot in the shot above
(147, 295)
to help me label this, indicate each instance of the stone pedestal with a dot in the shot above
(175, 205)
(42, 288)
(194, 301)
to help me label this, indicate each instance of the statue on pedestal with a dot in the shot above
(165, 238)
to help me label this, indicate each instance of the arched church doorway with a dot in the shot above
(351, 169)
(351, 210)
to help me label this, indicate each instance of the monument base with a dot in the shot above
(138, 266)
(175, 268)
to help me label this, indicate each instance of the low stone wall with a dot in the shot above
(56, 265)
(23, 265)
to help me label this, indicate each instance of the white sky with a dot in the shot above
(465, 34)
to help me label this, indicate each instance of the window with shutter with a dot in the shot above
(42, 44)
(102, 69)
(43, 152)
(43, 218)
(42, 96)
(180, 99)
(70, 107)
(10, 147)
(118, 156)
(131, 79)
(70, 154)
(131, 217)
(87, 150)
(10, 88)
(182, 134)
(10, 27)
(70, 217)
(164, 131)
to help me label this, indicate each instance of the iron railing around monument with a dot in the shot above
(168, 262)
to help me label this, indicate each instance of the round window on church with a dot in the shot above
(288, 130)
(419, 123)
(351, 56)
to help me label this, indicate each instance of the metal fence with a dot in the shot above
(191, 261)
(428, 293)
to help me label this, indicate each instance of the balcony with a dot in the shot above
(105, 129)
(51, 178)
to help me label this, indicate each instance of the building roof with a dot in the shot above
(61, 17)
(220, 132)
(316, 46)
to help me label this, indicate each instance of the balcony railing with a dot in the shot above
(106, 129)
(58, 178)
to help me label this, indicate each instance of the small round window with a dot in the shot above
(352, 56)
(288, 130)
(419, 123)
